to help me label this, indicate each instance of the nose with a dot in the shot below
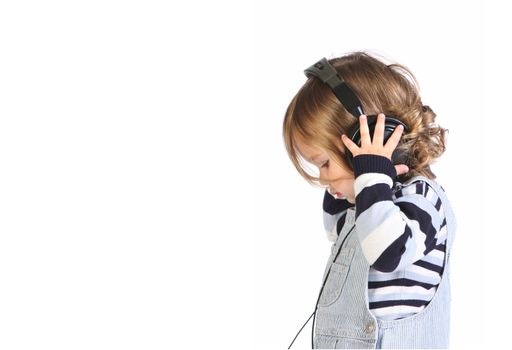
(326, 184)
(323, 181)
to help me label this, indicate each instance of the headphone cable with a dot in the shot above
(319, 294)
(301, 329)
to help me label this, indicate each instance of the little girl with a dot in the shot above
(386, 283)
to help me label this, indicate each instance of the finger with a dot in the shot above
(401, 169)
(365, 133)
(353, 148)
(378, 135)
(394, 139)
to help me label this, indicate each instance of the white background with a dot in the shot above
(146, 200)
(442, 43)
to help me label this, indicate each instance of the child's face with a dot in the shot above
(338, 179)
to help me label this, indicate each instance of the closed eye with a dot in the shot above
(325, 165)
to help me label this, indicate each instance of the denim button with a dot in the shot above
(370, 327)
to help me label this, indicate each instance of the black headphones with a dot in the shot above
(328, 74)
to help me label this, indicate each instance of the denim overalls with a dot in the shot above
(343, 319)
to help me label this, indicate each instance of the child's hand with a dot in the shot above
(401, 169)
(375, 145)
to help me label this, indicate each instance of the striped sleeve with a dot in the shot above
(333, 210)
(393, 233)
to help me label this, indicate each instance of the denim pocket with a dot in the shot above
(336, 278)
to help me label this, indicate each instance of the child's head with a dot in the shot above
(315, 119)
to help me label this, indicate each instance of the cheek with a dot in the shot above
(342, 174)
(347, 184)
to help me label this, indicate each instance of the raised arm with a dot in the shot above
(393, 233)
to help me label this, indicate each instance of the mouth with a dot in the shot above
(336, 194)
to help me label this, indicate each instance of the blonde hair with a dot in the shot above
(316, 116)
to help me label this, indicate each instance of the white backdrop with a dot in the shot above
(146, 200)
(442, 43)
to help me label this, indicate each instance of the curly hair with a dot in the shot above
(318, 117)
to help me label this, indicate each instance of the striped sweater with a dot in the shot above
(402, 232)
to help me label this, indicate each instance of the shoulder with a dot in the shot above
(419, 186)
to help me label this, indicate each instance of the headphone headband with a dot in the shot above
(328, 75)
(325, 72)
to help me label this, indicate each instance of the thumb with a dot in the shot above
(401, 169)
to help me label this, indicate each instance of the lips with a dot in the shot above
(336, 194)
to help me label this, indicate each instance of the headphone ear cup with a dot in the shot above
(391, 123)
